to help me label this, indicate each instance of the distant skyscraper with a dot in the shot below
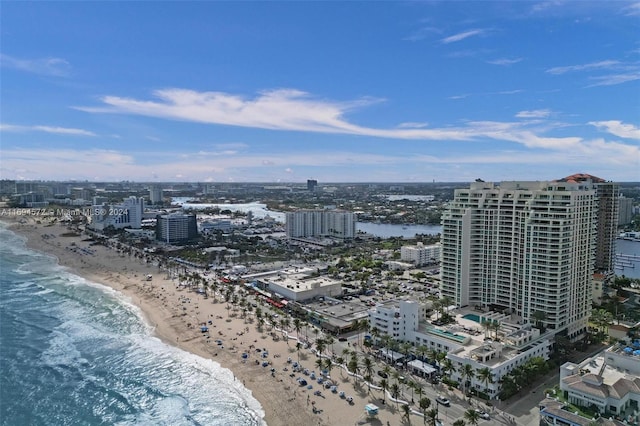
(625, 210)
(527, 248)
(321, 223)
(155, 194)
(311, 184)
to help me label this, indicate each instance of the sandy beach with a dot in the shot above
(177, 314)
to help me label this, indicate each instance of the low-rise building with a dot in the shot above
(608, 382)
(299, 284)
(420, 254)
(464, 342)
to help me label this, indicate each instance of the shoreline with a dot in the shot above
(175, 315)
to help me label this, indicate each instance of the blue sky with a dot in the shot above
(334, 91)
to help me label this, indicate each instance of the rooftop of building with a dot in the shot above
(581, 177)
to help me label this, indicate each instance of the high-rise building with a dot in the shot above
(527, 249)
(128, 214)
(155, 194)
(311, 184)
(321, 223)
(608, 194)
(625, 210)
(176, 227)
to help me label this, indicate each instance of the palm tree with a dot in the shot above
(297, 326)
(368, 370)
(447, 368)
(384, 385)
(421, 351)
(320, 346)
(395, 392)
(459, 422)
(406, 413)
(353, 366)
(432, 415)
(466, 375)
(319, 363)
(329, 341)
(472, 416)
(298, 346)
(485, 376)
(411, 385)
(406, 348)
(328, 365)
(538, 317)
(424, 404)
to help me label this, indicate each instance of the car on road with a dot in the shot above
(342, 339)
(442, 400)
(483, 415)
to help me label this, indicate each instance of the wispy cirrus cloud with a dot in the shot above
(608, 64)
(613, 79)
(51, 66)
(46, 129)
(463, 35)
(283, 109)
(537, 113)
(632, 10)
(413, 125)
(618, 128)
(422, 33)
(505, 61)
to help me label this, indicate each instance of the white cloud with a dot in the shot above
(413, 125)
(461, 36)
(422, 34)
(57, 67)
(608, 64)
(613, 79)
(283, 109)
(538, 113)
(46, 129)
(632, 10)
(618, 128)
(505, 61)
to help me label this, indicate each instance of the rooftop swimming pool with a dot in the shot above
(472, 317)
(449, 335)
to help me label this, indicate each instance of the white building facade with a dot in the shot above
(128, 214)
(321, 223)
(523, 247)
(420, 254)
(403, 321)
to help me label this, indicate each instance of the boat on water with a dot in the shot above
(630, 236)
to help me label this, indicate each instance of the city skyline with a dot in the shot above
(337, 92)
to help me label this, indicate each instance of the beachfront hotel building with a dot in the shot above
(320, 223)
(176, 227)
(465, 342)
(528, 249)
(127, 214)
(420, 254)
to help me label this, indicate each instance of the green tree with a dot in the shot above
(472, 416)
(424, 404)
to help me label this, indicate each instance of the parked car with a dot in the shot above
(382, 374)
(442, 400)
(482, 414)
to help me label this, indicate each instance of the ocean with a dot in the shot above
(73, 352)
